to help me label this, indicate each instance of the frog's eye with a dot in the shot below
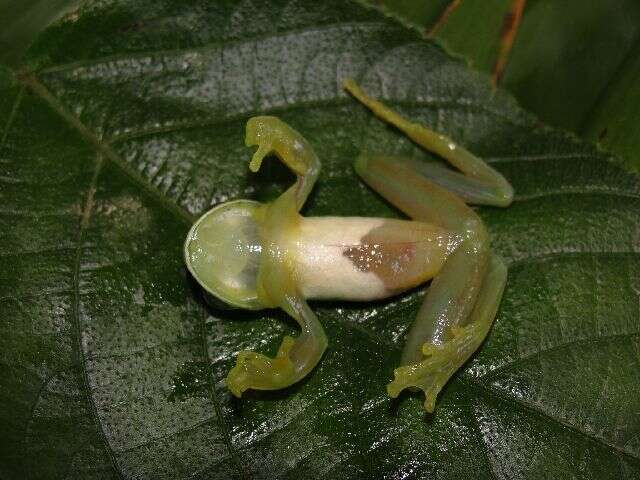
(222, 252)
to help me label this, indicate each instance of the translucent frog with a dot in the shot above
(253, 255)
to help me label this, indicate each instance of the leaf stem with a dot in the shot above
(510, 26)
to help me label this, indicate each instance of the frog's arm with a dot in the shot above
(294, 360)
(478, 183)
(296, 357)
(271, 134)
(276, 283)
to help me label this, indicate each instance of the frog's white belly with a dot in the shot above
(322, 269)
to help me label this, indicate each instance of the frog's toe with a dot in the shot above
(430, 376)
(250, 366)
(440, 363)
(259, 372)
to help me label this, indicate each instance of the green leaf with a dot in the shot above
(560, 68)
(470, 28)
(128, 123)
(613, 121)
(574, 64)
(20, 23)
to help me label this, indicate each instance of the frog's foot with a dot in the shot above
(256, 160)
(440, 363)
(257, 371)
(259, 133)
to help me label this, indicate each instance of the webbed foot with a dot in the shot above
(257, 371)
(441, 362)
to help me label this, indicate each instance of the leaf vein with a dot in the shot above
(12, 115)
(166, 436)
(533, 259)
(575, 191)
(338, 101)
(478, 428)
(84, 222)
(105, 150)
(514, 402)
(226, 434)
(214, 45)
(556, 348)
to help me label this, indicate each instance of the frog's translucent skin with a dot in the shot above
(256, 256)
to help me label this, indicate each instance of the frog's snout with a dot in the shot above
(222, 251)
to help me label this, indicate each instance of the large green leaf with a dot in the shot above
(128, 123)
(20, 23)
(613, 122)
(575, 64)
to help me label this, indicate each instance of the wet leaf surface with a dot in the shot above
(575, 65)
(128, 123)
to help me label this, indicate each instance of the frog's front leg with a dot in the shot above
(276, 283)
(294, 360)
(272, 135)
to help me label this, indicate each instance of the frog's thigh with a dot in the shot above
(415, 195)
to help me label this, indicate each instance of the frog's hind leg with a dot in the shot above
(453, 291)
(442, 360)
(445, 332)
(477, 183)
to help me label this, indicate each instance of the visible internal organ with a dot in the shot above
(359, 258)
(402, 254)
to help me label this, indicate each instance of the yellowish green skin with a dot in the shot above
(256, 256)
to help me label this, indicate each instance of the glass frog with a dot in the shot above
(253, 255)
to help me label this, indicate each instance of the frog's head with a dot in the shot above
(223, 249)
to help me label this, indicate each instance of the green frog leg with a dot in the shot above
(276, 280)
(478, 183)
(294, 360)
(455, 291)
(447, 329)
(443, 360)
(272, 135)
